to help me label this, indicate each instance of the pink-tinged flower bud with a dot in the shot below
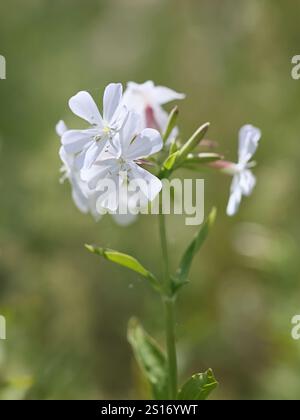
(224, 166)
(150, 118)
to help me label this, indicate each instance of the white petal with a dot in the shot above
(98, 171)
(120, 117)
(93, 196)
(154, 137)
(111, 100)
(84, 106)
(249, 137)
(66, 159)
(135, 102)
(137, 97)
(79, 195)
(149, 184)
(234, 202)
(140, 89)
(108, 198)
(129, 131)
(75, 140)
(144, 145)
(247, 182)
(93, 153)
(61, 128)
(164, 95)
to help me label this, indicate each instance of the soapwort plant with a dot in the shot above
(116, 165)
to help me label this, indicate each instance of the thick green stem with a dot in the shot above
(169, 303)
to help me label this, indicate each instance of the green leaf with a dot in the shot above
(174, 146)
(193, 248)
(150, 358)
(171, 123)
(127, 261)
(198, 387)
(170, 161)
(193, 142)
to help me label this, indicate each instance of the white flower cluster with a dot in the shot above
(113, 147)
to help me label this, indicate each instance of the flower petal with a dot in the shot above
(61, 128)
(74, 141)
(79, 200)
(129, 131)
(111, 100)
(144, 145)
(98, 171)
(79, 193)
(247, 182)
(234, 201)
(133, 98)
(84, 106)
(148, 184)
(66, 159)
(93, 152)
(249, 137)
(164, 95)
(108, 197)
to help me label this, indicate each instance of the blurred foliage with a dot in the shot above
(67, 311)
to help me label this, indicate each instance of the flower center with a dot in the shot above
(106, 130)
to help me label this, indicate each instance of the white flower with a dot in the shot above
(81, 194)
(84, 198)
(146, 99)
(243, 181)
(87, 144)
(128, 147)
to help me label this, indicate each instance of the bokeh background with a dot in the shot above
(66, 310)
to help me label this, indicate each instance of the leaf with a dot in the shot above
(198, 387)
(170, 161)
(193, 142)
(171, 123)
(174, 146)
(150, 358)
(127, 261)
(193, 248)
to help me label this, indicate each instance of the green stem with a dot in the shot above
(165, 254)
(169, 303)
(171, 347)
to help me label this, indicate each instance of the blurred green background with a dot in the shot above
(66, 310)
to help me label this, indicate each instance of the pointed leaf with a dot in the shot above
(170, 161)
(125, 260)
(174, 146)
(198, 387)
(150, 358)
(171, 123)
(190, 145)
(193, 248)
